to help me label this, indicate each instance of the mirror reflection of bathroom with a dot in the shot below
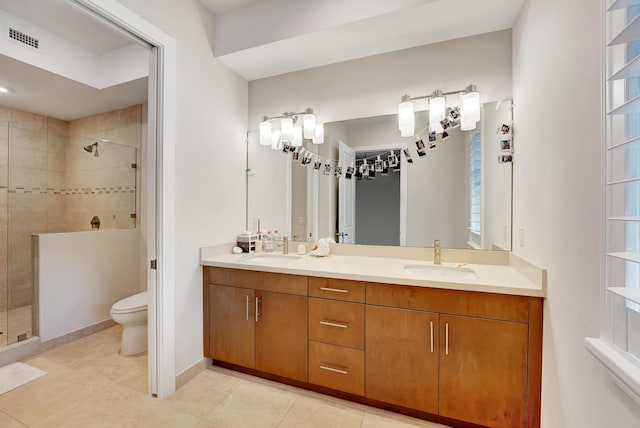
(457, 192)
(70, 174)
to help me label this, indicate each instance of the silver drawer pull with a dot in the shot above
(335, 290)
(446, 345)
(333, 324)
(431, 328)
(331, 369)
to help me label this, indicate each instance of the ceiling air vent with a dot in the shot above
(23, 38)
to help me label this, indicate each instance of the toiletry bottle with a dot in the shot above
(267, 244)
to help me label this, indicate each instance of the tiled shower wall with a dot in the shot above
(53, 185)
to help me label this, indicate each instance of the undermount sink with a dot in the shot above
(440, 272)
(272, 258)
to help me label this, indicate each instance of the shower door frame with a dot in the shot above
(159, 179)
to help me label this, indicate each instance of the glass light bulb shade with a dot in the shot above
(471, 106)
(467, 125)
(296, 141)
(276, 141)
(265, 133)
(309, 124)
(286, 128)
(437, 107)
(436, 127)
(319, 137)
(406, 119)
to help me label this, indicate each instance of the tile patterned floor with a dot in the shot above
(90, 385)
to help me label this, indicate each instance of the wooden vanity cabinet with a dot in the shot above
(402, 357)
(257, 320)
(482, 362)
(483, 371)
(455, 357)
(281, 335)
(231, 324)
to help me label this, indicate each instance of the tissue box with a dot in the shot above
(247, 243)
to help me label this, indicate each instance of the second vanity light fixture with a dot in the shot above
(469, 111)
(291, 131)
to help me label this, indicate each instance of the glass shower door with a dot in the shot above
(4, 264)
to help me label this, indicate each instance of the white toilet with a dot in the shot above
(131, 312)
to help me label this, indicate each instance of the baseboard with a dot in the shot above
(78, 334)
(191, 372)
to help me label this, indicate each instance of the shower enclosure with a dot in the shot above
(50, 182)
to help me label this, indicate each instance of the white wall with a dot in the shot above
(81, 275)
(211, 124)
(496, 179)
(557, 201)
(373, 86)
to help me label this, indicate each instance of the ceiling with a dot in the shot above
(71, 23)
(222, 6)
(264, 38)
(37, 90)
(278, 36)
(42, 92)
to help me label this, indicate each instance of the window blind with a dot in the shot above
(618, 348)
(474, 185)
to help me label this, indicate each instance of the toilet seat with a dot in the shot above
(135, 303)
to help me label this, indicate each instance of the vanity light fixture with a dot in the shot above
(406, 117)
(319, 137)
(4, 90)
(289, 133)
(469, 110)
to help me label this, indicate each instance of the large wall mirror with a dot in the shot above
(458, 192)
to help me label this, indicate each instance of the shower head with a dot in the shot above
(90, 148)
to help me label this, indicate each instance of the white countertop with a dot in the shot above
(502, 279)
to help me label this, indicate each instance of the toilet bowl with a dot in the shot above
(131, 312)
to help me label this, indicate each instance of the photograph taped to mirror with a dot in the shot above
(392, 160)
(407, 155)
(349, 173)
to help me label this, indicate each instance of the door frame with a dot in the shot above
(403, 182)
(160, 180)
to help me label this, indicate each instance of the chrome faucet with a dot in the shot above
(285, 245)
(436, 252)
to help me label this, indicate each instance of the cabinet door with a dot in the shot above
(483, 371)
(402, 357)
(231, 325)
(281, 335)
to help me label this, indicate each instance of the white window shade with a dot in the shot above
(474, 189)
(618, 349)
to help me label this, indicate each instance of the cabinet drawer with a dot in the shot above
(336, 367)
(283, 283)
(233, 277)
(471, 303)
(337, 289)
(339, 323)
(267, 281)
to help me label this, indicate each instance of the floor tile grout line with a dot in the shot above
(287, 412)
(11, 417)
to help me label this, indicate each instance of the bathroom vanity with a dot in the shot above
(459, 344)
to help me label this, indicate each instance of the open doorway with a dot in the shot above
(153, 164)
